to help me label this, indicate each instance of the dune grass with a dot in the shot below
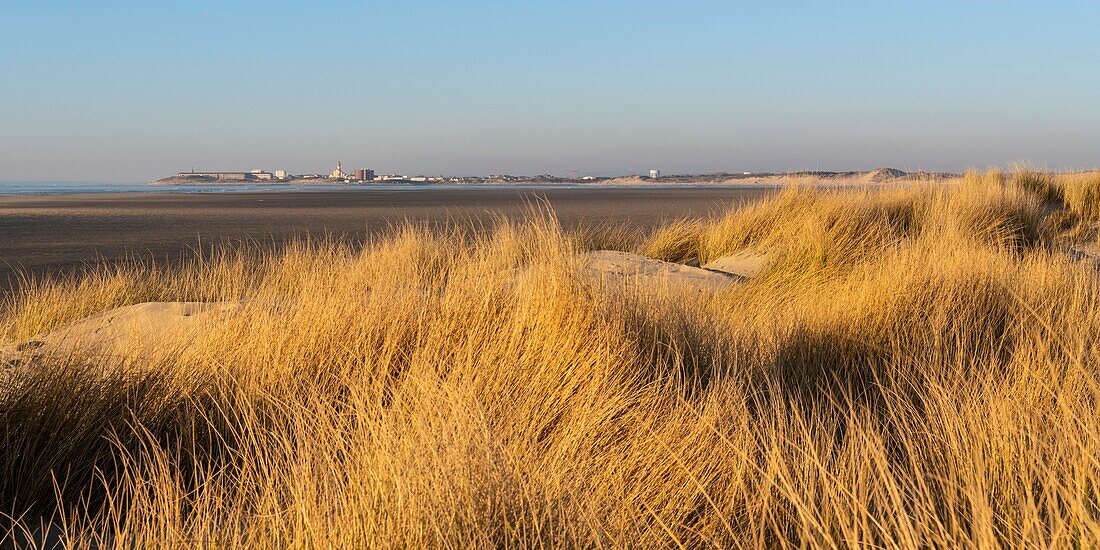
(915, 367)
(1082, 194)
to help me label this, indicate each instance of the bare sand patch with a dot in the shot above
(612, 267)
(130, 331)
(747, 264)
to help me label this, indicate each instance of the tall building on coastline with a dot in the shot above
(338, 172)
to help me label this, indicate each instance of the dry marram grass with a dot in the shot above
(914, 367)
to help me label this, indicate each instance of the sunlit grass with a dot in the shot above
(915, 367)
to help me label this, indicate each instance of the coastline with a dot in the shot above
(822, 178)
(604, 183)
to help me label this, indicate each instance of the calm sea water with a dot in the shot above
(77, 187)
(80, 187)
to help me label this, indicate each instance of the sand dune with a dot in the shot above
(623, 268)
(944, 334)
(127, 332)
(140, 330)
(747, 264)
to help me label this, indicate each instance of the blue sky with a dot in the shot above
(131, 91)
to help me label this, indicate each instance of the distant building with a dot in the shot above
(280, 174)
(364, 174)
(338, 173)
(234, 176)
(654, 174)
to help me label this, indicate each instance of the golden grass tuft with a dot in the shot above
(1082, 194)
(918, 367)
(677, 241)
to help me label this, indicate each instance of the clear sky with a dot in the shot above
(131, 91)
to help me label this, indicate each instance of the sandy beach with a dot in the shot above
(55, 234)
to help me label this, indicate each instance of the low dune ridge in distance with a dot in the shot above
(881, 175)
(905, 366)
(817, 177)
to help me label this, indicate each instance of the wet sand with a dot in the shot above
(41, 235)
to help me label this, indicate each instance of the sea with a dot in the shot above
(8, 188)
(81, 187)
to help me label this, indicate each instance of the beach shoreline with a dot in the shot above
(57, 234)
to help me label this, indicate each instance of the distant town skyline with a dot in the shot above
(127, 91)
